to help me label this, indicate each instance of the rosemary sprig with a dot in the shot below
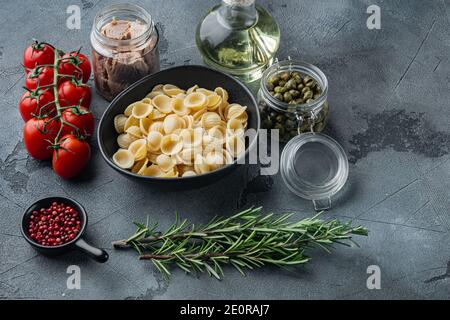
(246, 240)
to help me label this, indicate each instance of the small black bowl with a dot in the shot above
(183, 77)
(78, 242)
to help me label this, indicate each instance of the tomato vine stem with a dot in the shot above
(58, 59)
(58, 107)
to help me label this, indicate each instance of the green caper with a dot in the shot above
(307, 95)
(285, 76)
(277, 89)
(305, 90)
(280, 118)
(305, 126)
(309, 100)
(270, 86)
(291, 84)
(307, 79)
(282, 83)
(290, 123)
(278, 96)
(274, 79)
(287, 97)
(279, 126)
(283, 90)
(294, 93)
(299, 101)
(290, 115)
(300, 86)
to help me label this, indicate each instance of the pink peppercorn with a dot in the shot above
(55, 225)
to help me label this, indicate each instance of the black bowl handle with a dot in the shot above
(97, 254)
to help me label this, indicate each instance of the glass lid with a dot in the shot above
(315, 167)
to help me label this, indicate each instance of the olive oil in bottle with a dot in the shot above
(238, 37)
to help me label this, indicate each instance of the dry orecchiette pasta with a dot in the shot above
(119, 123)
(140, 166)
(141, 110)
(124, 158)
(138, 149)
(180, 133)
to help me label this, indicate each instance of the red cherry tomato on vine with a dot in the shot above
(81, 118)
(39, 76)
(38, 137)
(71, 92)
(32, 102)
(38, 54)
(70, 157)
(75, 64)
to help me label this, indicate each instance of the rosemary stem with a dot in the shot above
(246, 240)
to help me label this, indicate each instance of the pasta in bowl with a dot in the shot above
(173, 132)
(182, 125)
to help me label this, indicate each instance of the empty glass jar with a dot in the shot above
(314, 166)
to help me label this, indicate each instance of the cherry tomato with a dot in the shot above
(75, 64)
(81, 118)
(38, 137)
(71, 156)
(71, 92)
(31, 103)
(39, 76)
(38, 54)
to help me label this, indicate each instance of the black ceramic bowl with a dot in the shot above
(183, 77)
(77, 243)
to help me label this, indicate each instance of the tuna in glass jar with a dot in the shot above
(293, 98)
(124, 43)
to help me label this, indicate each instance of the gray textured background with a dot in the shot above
(389, 98)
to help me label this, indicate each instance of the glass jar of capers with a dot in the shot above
(293, 98)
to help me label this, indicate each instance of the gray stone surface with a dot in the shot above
(389, 96)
